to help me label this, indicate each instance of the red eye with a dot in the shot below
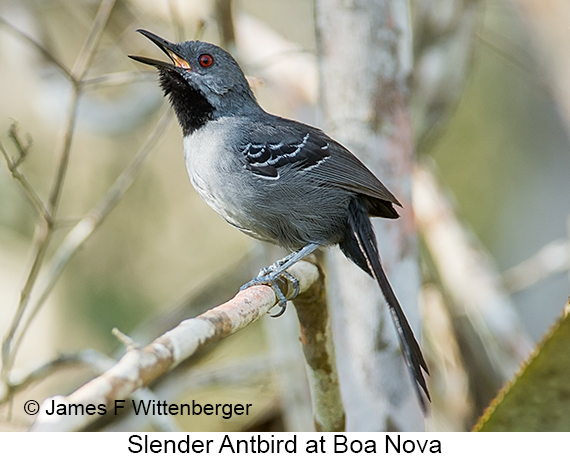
(206, 60)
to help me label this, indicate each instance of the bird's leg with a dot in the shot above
(270, 274)
(266, 270)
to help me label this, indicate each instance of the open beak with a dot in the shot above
(168, 48)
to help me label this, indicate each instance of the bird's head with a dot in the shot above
(201, 78)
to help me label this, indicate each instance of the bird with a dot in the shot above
(277, 179)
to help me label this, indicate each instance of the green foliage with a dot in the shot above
(538, 400)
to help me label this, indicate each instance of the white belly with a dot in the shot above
(210, 163)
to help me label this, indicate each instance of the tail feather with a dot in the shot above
(362, 248)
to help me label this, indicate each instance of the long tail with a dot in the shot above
(362, 248)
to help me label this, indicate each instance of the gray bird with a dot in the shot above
(276, 179)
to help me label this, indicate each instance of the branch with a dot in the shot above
(444, 55)
(46, 53)
(13, 165)
(139, 367)
(87, 52)
(243, 371)
(547, 24)
(44, 232)
(224, 16)
(93, 359)
(318, 347)
(488, 325)
(117, 79)
(90, 222)
(176, 18)
(78, 71)
(552, 258)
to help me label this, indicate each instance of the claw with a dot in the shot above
(269, 279)
(282, 300)
(294, 281)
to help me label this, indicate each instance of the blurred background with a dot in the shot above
(499, 149)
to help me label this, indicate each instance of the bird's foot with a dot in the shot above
(268, 276)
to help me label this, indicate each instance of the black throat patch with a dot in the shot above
(191, 107)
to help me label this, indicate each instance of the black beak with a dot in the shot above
(168, 48)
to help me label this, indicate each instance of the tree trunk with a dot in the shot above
(365, 56)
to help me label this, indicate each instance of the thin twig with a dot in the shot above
(64, 150)
(506, 54)
(83, 61)
(176, 19)
(43, 235)
(22, 148)
(551, 258)
(65, 223)
(26, 186)
(46, 53)
(117, 79)
(200, 28)
(95, 360)
(44, 231)
(224, 16)
(89, 223)
(79, 70)
(125, 339)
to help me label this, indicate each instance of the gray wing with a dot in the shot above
(271, 151)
